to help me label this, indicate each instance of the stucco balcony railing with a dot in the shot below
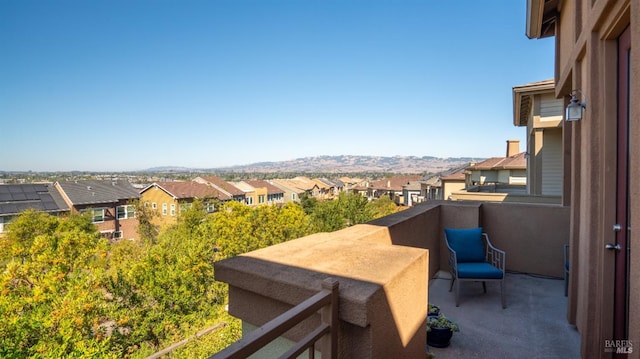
(384, 268)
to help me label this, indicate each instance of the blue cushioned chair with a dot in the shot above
(473, 258)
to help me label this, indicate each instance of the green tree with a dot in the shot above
(327, 217)
(382, 206)
(22, 231)
(51, 302)
(169, 290)
(308, 203)
(354, 208)
(147, 231)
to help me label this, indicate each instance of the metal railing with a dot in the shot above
(326, 334)
(181, 343)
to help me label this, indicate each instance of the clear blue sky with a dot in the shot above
(125, 85)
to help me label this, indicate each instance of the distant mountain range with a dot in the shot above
(342, 164)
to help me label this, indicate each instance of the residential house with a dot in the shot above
(509, 170)
(331, 188)
(224, 187)
(169, 199)
(339, 185)
(300, 185)
(311, 187)
(251, 193)
(350, 182)
(16, 198)
(498, 179)
(449, 181)
(412, 193)
(326, 189)
(274, 195)
(596, 64)
(291, 193)
(111, 203)
(536, 107)
(431, 187)
(391, 187)
(452, 183)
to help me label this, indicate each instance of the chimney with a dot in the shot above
(513, 147)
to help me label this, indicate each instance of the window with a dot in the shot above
(4, 221)
(117, 235)
(154, 205)
(261, 198)
(97, 215)
(211, 207)
(249, 200)
(146, 205)
(185, 207)
(173, 209)
(124, 212)
(164, 209)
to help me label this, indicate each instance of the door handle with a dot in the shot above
(617, 227)
(612, 246)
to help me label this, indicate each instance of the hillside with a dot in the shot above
(353, 164)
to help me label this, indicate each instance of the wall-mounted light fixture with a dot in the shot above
(575, 108)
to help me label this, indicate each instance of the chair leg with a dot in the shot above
(457, 293)
(453, 279)
(566, 284)
(484, 286)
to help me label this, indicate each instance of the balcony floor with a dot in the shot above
(533, 325)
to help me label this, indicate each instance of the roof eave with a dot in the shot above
(535, 11)
(541, 17)
(526, 91)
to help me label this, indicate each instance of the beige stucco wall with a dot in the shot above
(586, 59)
(378, 318)
(504, 197)
(448, 187)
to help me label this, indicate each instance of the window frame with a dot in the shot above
(129, 211)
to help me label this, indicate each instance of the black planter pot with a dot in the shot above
(439, 337)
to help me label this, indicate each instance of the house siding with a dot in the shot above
(160, 197)
(552, 163)
(551, 109)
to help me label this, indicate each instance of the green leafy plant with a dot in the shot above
(433, 309)
(442, 322)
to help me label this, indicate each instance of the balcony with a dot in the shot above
(533, 325)
(390, 268)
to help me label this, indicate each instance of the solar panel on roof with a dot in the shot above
(49, 206)
(19, 197)
(11, 208)
(5, 197)
(32, 196)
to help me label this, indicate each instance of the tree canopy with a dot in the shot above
(65, 291)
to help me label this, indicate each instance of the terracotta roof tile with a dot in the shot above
(271, 189)
(191, 190)
(224, 185)
(394, 183)
(517, 161)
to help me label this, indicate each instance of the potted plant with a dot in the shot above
(433, 310)
(440, 330)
